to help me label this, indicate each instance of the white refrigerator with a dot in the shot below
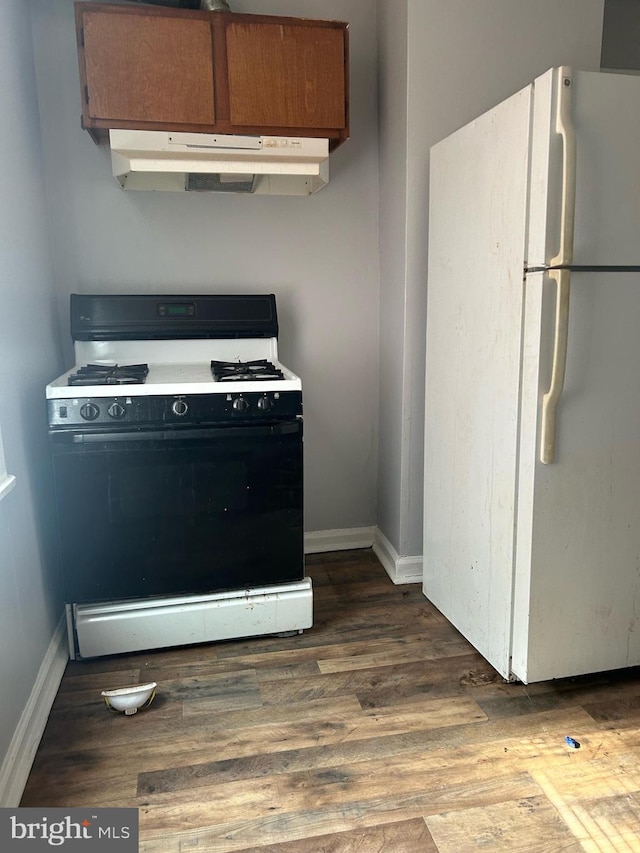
(532, 433)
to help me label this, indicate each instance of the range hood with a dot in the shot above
(202, 162)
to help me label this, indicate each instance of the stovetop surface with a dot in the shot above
(173, 379)
(258, 370)
(174, 367)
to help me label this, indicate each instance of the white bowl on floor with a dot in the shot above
(129, 699)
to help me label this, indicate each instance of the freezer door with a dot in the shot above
(605, 112)
(478, 211)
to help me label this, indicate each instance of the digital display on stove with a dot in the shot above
(176, 309)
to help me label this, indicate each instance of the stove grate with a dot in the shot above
(248, 371)
(109, 374)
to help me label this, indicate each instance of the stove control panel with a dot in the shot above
(183, 409)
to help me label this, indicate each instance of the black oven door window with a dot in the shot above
(191, 512)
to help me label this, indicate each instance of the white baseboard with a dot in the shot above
(339, 540)
(400, 569)
(24, 744)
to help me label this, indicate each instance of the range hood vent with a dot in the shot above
(201, 162)
(197, 182)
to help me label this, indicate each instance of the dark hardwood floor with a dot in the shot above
(380, 729)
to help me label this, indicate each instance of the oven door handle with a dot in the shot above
(180, 434)
(246, 430)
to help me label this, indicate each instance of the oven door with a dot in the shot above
(182, 511)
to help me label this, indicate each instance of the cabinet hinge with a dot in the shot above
(81, 33)
(86, 94)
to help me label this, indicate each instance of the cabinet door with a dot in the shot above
(286, 74)
(148, 67)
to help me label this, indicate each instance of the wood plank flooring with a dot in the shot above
(380, 729)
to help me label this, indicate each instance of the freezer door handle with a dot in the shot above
(562, 277)
(566, 129)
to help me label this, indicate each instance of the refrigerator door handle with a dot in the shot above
(562, 277)
(551, 398)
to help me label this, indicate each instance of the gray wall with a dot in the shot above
(621, 35)
(318, 254)
(461, 58)
(30, 604)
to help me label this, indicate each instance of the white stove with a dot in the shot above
(177, 451)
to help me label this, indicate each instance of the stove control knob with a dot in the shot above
(240, 404)
(180, 408)
(89, 411)
(117, 410)
(265, 403)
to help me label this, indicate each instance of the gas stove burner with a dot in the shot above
(248, 371)
(109, 374)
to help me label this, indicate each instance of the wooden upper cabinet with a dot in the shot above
(162, 68)
(286, 74)
(148, 68)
